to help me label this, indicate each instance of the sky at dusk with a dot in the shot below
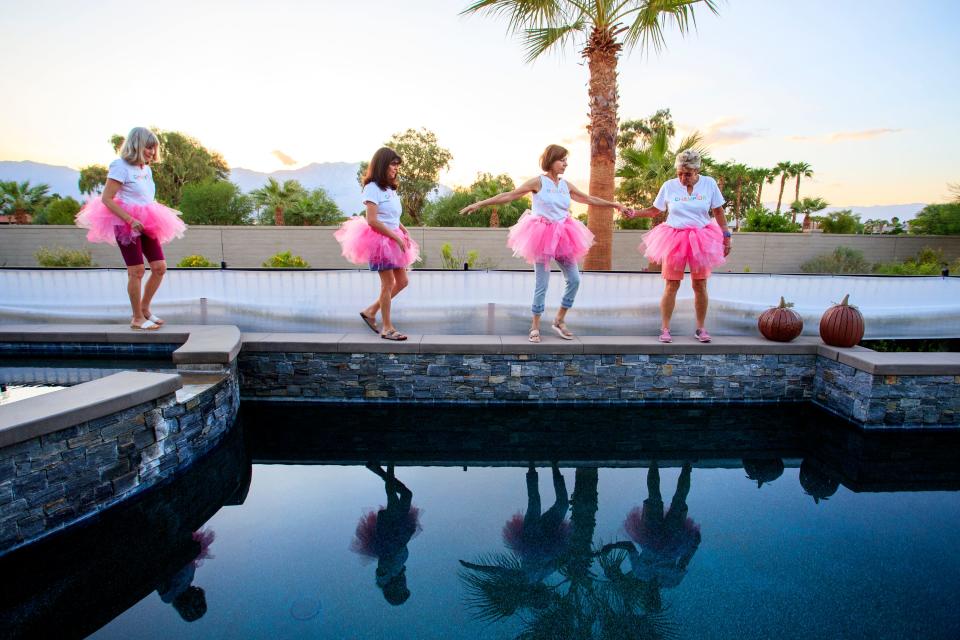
(865, 91)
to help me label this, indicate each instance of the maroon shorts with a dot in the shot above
(142, 245)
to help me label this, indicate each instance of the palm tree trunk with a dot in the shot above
(21, 216)
(760, 193)
(494, 218)
(602, 62)
(278, 216)
(783, 181)
(736, 224)
(797, 195)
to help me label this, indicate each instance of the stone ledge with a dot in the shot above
(200, 344)
(903, 364)
(32, 417)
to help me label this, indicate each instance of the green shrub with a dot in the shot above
(632, 223)
(58, 211)
(195, 262)
(845, 221)
(928, 262)
(761, 219)
(842, 260)
(285, 260)
(451, 260)
(60, 257)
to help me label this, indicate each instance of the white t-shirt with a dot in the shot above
(552, 201)
(689, 209)
(388, 204)
(136, 183)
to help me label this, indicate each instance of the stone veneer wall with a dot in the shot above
(887, 400)
(870, 400)
(56, 479)
(531, 378)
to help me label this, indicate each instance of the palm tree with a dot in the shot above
(602, 29)
(738, 174)
(784, 170)
(801, 170)
(274, 196)
(807, 206)
(759, 176)
(20, 200)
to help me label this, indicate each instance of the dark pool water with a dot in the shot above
(849, 536)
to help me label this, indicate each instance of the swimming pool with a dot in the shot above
(780, 522)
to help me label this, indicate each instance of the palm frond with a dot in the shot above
(539, 40)
(647, 27)
(522, 14)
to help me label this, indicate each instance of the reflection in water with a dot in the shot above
(667, 540)
(178, 590)
(384, 535)
(565, 597)
(763, 470)
(817, 480)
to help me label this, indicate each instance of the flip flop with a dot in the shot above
(148, 325)
(370, 322)
(393, 334)
(561, 330)
(156, 319)
(534, 335)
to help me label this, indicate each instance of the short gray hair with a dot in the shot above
(689, 159)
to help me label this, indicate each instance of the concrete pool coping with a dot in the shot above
(221, 344)
(41, 415)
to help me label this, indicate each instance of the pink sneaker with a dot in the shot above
(702, 335)
(665, 336)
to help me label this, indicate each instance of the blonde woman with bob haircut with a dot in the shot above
(127, 215)
(549, 232)
(695, 234)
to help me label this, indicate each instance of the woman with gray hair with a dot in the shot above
(695, 234)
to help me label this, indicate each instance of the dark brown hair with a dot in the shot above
(551, 154)
(377, 169)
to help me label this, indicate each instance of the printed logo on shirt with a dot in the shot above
(690, 198)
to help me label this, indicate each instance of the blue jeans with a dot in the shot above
(570, 273)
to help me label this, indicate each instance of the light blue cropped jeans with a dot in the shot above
(571, 273)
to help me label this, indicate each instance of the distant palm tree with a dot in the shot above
(278, 197)
(602, 28)
(759, 176)
(807, 206)
(801, 170)
(739, 174)
(784, 170)
(20, 200)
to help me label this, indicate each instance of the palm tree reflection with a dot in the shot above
(384, 535)
(556, 593)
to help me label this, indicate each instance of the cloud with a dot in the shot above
(282, 157)
(725, 132)
(582, 137)
(844, 136)
(868, 134)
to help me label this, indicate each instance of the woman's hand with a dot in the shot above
(401, 242)
(135, 224)
(726, 247)
(470, 208)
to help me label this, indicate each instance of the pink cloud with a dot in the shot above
(282, 157)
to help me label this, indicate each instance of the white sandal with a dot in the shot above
(561, 329)
(155, 319)
(148, 325)
(534, 335)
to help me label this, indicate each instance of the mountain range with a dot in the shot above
(339, 180)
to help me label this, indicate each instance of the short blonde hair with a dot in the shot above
(551, 154)
(689, 159)
(137, 140)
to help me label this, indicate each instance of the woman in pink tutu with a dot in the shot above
(695, 234)
(549, 232)
(379, 240)
(126, 215)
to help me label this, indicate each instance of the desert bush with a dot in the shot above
(60, 257)
(286, 260)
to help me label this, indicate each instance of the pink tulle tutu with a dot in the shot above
(205, 537)
(654, 533)
(360, 244)
(159, 222)
(700, 247)
(545, 544)
(537, 239)
(370, 542)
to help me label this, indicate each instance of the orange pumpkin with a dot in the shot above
(780, 323)
(842, 325)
